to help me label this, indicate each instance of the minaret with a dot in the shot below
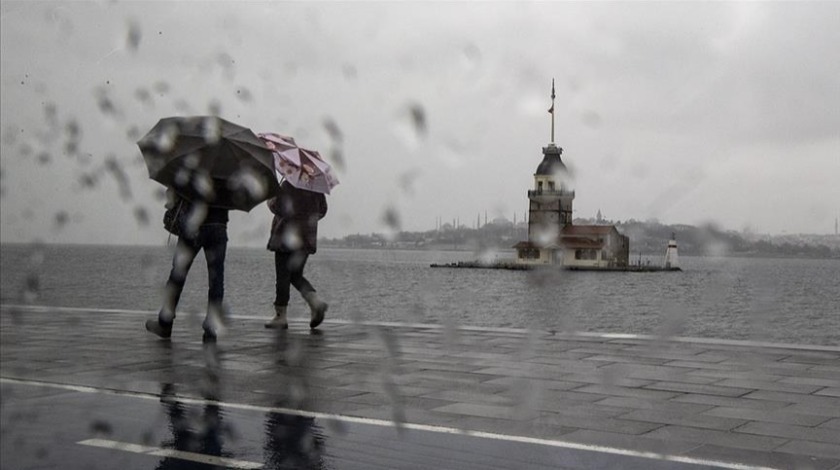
(671, 257)
(550, 206)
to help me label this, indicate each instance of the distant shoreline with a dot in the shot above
(434, 248)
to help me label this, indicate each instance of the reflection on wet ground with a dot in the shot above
(89, 389)
(182, 435)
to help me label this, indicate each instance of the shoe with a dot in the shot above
(279, 321)
(210, 332)
(164, 330)
(209, 336)
(317, 309)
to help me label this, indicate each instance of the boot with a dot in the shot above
(160, 326)
(279, 321)
(317, 308)
(214, 322)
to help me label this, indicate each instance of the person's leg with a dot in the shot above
(317, 308)
(215, 250)
(296, 263)
(213, 239)
(185, 252)
(281, 294)
(283, 278)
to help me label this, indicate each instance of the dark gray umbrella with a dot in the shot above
(211, 160)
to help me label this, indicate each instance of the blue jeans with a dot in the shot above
(212, 238)
(289, 269)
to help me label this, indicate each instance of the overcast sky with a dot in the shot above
(685, 112)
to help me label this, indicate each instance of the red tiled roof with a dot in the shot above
(525, 244)
(579, 242)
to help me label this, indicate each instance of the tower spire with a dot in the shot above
(551, 110)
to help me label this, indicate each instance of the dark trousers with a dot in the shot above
(212, 238)
(289, 268)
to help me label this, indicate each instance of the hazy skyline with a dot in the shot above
(685, 112)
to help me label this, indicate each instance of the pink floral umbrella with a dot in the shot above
(302, 168)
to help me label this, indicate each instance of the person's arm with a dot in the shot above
(171, 198)
(272, 205)
(322, 206)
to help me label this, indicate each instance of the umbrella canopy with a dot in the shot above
(302, 168)
(208, 159)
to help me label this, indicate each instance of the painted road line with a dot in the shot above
(412, 426)
(171, 453)
(489, 329)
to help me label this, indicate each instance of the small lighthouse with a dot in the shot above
(672, 260)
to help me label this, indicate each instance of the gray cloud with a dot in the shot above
(665, 110)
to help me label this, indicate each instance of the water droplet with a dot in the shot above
(391, 219)
(244, 94)
(333, 131)
(134, 35)
(141, 215)
(114, 168)
(214, 108)
(411, 124)
(212, 130)
(101, 428)
(61, 219)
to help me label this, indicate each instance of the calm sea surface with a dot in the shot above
(779, 300)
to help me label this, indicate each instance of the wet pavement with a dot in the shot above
(89, 388)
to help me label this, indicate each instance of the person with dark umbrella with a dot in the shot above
(294, 233)
(205, 228)
(209, 166)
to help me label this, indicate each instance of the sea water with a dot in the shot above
(776, 300)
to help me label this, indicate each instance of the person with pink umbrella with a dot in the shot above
(298, 205)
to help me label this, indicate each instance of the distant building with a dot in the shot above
(552, 238)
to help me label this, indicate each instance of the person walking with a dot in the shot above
(294, 233)
(203, 227)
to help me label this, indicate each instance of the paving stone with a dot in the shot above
(818, 410)
(728, 370)
(539, 371)
(828, 436)
(627, 359)
(718, 437)
(608, 379)
(520, 382)
(625, 392)
(823, 382)
(684, 419)
(762, 459)
(818, 449)
(771, 416)
(833, 423)
(622, 426)
(466, 396)
(476, 409)
(647, 404)
(770, 386)
(739, 402)
(796, 398)
(530, 428)
(698, 388)
(642, 371)
(630, 442)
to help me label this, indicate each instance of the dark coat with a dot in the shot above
(296, 215)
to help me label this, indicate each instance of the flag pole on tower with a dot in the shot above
(551, 110)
